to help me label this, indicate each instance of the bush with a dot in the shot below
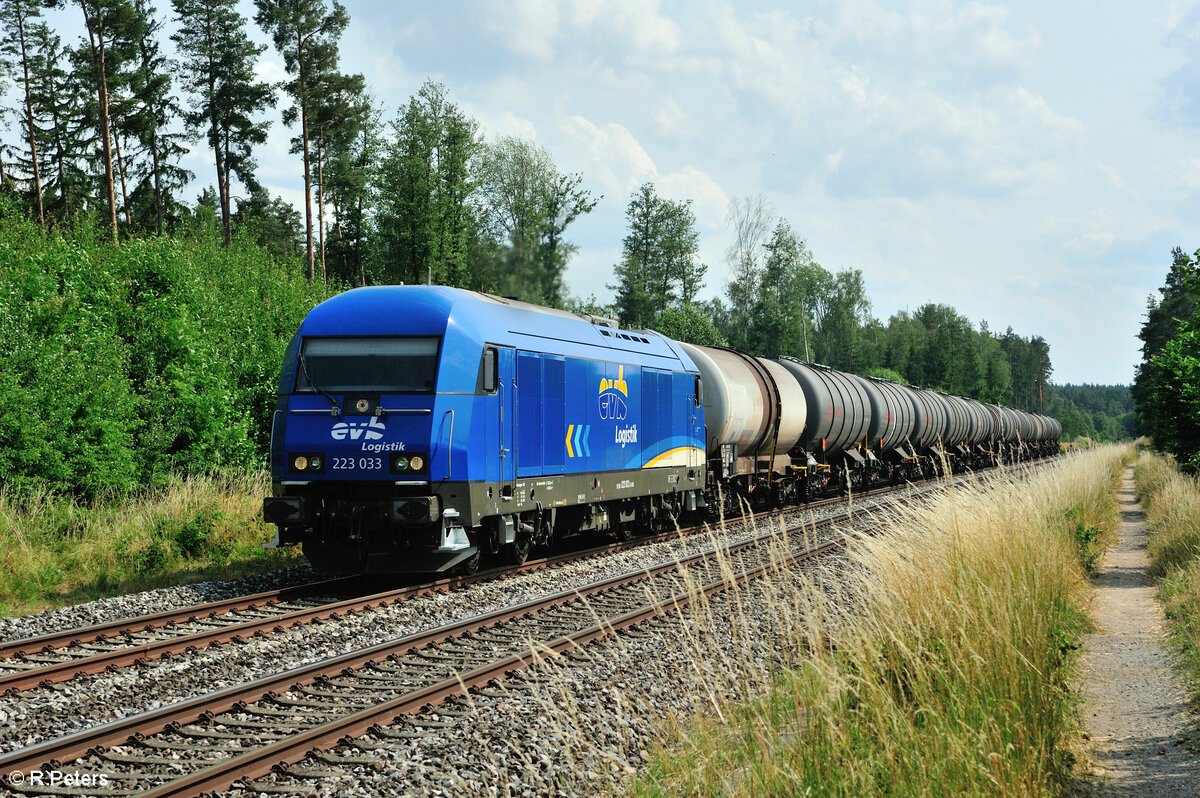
(126, 364)
(1172, 503)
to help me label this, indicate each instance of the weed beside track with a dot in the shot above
(954, 669)
(56, 550)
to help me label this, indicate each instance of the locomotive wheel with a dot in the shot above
(470, 566)
(623, 530)
(517, 552)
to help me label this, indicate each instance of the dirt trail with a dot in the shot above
(1134, 706)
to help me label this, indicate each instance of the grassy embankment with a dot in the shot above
(952, 678)
(1172, 503)
(56, 550)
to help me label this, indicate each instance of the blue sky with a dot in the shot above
(1031, 164)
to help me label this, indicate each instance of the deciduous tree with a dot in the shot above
(424, 221)
(526, 205)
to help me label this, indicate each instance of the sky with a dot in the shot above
(1031, 164)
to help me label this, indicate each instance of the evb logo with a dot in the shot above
(370, 430)
(613, 397)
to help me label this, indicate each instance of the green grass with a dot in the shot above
(1172, 503)
(953, 679)
(57, 550)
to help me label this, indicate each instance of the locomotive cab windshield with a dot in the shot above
(380, 365)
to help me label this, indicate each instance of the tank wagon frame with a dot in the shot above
(421, 428)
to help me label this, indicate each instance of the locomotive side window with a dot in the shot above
(699, 392)
(386, 365)
(490, 369)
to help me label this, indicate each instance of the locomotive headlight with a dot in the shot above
(306, 462)
(407, 463)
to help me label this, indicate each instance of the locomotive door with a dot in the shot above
(500, 460)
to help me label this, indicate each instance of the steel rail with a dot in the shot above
(98, 662)
(100, 632)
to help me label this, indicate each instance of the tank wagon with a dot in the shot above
(421, 428)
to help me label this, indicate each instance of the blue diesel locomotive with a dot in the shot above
(418, 427)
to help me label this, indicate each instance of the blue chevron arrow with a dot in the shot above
(575, 440)
(587, 452)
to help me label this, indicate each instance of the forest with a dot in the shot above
(143, 329)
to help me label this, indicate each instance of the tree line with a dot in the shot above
(101, 124)
(99, 127)
(781, 302)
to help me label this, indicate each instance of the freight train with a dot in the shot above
(422, 428)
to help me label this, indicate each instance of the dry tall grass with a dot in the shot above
(55, 550)
(1172, 504)
(952, 678)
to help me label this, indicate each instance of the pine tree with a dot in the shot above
(148, 122)
(218, 70)
(306, 34)
(15, 48)
(1164, 315)
(658, 260)
(109, 24)
(61, 125)
(341, 111)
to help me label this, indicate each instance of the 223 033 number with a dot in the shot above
(362, 463)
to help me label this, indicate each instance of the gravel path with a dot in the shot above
(1134, 708)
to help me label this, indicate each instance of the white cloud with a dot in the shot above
(617, 161)
(672, 122)
(634, 29)
(709, 202)
(527, 28)
(1114, 179)
(1088, 236)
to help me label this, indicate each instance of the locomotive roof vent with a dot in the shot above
(625, 336)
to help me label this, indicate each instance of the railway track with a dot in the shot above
(50, 659)
(243, 732)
